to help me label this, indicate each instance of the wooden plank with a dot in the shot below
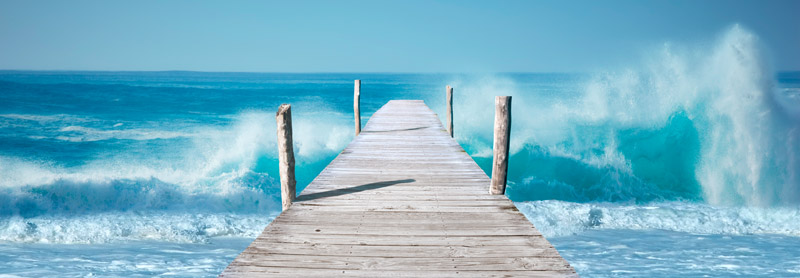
(508, 242)
(354, 262)
(403, 200)
(295, 271)
(402, 251)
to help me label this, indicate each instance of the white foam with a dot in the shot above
(558, 218)
(105, 227)
(46, 118)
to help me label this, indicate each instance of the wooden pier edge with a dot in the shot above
(403, 199)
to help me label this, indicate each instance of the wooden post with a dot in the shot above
(357, 105)
(286, 155)
(450, 110)
(502, 132)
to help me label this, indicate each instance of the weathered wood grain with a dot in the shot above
(402, 200)
(449, 93)
(502, 134)
(357, 105)
(286, 155)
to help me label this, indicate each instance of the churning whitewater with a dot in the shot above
(709, 125)
(698, 140)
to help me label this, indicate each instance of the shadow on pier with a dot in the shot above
(349, 190)
(394, 130)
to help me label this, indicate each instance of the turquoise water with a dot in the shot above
(686, 164)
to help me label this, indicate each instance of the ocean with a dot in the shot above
(686, 164)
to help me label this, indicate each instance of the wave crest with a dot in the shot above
(689, 123)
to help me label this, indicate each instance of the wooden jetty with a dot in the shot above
(402, 200)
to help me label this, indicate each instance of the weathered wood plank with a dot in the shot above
(295, 271)
(389, 263)
(402, 200)
(401, 251)
(509, 242)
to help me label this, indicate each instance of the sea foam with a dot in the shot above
(558, 218)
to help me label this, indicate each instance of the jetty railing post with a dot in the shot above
(450, 110)
(357, 105)
(502, 132)
(286, 155)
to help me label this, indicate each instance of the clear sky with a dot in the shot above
(373, 36)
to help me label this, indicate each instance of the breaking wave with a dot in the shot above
(220, 169)
(690, 123)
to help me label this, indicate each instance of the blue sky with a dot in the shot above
(374, 36)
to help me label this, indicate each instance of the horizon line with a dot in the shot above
(302, 72)
(325, 72)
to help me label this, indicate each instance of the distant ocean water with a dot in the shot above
(685, 165)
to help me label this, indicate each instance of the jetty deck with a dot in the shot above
(402, 200)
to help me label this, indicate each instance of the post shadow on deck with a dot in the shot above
(394, 130)
(350, 190)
